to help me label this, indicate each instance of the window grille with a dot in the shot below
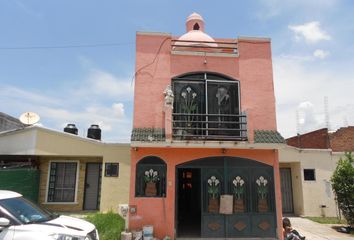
(111, 170)
(207, 106)
(150, 170)
(62, 182)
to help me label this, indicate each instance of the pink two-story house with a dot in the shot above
(204, 141)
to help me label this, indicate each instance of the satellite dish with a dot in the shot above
(29, 118)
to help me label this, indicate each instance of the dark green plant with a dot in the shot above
(343, 185)
(109, 225)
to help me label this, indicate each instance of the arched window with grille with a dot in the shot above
(150, 177)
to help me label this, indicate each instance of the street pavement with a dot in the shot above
(317, 231)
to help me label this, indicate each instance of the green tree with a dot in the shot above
(343, 186)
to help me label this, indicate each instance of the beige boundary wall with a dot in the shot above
(51, 145)
(311, 198)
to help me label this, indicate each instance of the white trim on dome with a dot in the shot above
(202, 39)
(194, 16)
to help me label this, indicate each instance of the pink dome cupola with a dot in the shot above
(195, 22)
(195, 32)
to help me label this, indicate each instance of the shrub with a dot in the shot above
(109, 225)
(343, 186)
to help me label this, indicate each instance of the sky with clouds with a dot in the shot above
(73, 61)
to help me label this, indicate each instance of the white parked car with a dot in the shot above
(20, 219)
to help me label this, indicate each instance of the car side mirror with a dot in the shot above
(4, 222)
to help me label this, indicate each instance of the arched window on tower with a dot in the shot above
(207, 106)
(196, 26)
(150, 177)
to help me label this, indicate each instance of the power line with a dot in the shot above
(98, 45)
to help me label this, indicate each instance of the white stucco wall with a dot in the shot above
(18, 142)
(309, 196)
(318, 192)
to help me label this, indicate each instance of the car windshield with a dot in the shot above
(25, 211)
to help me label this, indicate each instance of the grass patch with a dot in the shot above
(109, 225)
(327, 220)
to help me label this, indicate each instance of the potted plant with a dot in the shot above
(151, 177)
(262, 190)
(213, 191)
(239, 190)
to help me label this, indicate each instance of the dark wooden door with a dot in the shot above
(92, 186)
(286, 190)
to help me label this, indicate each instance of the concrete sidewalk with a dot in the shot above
(316, 231)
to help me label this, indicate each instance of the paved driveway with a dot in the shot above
(317, 231)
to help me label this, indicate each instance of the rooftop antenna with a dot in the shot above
(297, 122)
(29, 118)
(326, 114)
(298, 129)
(345, 121)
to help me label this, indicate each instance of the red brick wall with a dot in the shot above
(343, 139)
(317, 139)
(340, 141)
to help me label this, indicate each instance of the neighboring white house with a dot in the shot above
(306, 168)
(63, 171)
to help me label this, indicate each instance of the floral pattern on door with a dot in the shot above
(262, 193)
(239, 187)
(213, 193)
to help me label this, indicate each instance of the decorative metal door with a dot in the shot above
(252, 187)
(286, 190)
(92, 186)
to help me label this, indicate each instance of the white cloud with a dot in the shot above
(307, 117)
(106, 84)
(26, 96)
(311, 32)
(321, 54)
(118, 109)
(111, 118)
(27, 9)
(274, 8)
(297, 81)
(115, 126)
(85, 62)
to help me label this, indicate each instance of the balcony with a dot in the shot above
(226, 127)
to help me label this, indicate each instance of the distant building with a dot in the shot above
(339, 141)
(8, 122)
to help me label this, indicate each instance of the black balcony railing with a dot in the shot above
(209, 126)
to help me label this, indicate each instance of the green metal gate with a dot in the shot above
(253, 206)
(24, 181)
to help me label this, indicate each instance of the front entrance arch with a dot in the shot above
(251, 183)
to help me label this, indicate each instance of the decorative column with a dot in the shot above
(168, 109)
